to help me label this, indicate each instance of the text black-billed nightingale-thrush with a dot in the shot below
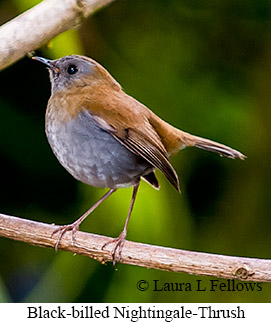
(105, 138)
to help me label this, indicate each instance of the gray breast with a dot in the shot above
(92, 155)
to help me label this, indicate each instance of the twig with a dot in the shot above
(168, 259)
(41, 23)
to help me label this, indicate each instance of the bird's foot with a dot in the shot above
(117, 248)
(61, 230)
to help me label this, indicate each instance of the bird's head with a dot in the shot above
(76, 71)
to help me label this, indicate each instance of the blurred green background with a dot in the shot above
(203, 66)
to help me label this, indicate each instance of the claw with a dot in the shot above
(117, 248)
(63, 229)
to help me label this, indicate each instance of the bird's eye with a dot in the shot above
(72, 69)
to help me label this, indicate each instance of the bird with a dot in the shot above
(106, 138)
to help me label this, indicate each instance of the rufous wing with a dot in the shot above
(146, 144)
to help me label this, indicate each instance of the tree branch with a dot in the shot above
(41, 23)
(133, 253)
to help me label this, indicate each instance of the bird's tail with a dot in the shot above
(175, 139)
(209, 145)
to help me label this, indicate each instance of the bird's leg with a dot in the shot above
(119, 241)
(75, 225)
